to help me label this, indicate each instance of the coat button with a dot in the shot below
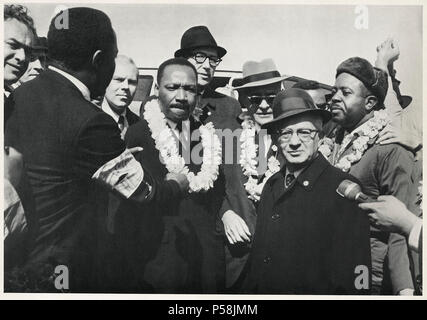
(305, 183)
(275, 216)
(267, 259)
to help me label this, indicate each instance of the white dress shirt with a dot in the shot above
(105, 106)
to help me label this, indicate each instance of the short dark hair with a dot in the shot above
(73, 46)
(20, 13)
(173, 61)
(307, 85)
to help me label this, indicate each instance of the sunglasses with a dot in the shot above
(257, 100)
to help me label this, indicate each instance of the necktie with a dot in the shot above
(289, 179)
(121, 123)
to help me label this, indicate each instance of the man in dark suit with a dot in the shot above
(199, 47)
(181, 251)
(69, 144)
(120, 92)
(308, 239)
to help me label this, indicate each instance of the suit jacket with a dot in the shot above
(181, 250)
(64, 139)
(219, 109)
(308, 239)
(131, 117)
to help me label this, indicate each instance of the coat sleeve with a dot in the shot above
(100, 154)
(394, 174)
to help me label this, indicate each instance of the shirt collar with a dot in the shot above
(308, 176)
(172, 124)
(80, 85)
(105, 106)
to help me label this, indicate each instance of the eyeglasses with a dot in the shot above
(256, 100)
(303, 134)
(201, 58)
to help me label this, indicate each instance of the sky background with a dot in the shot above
(304, 40)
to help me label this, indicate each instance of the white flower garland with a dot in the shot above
(249, 164)
(369, 130)
(165, 143)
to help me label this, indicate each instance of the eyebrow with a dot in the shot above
(16, 42)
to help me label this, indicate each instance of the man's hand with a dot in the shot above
(402, 136)
(235, 227)
(181, 179)
(406, 292)
(387, 52)
(13, 166)
(390, 214)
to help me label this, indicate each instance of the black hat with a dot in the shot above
(373, 78)
(197, 37)
(292, 102)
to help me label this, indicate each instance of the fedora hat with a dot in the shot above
(261, 73)
(197, 37)
(292, 102)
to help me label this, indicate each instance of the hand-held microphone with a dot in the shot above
(352, 191)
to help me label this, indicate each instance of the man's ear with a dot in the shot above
(97, 59)
(156, 90)
(371, 102)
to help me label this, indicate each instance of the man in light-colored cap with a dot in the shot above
(261, 83)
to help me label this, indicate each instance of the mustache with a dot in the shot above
(183, 106)
(264, 112)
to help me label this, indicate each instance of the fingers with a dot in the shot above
(135, 149)
(230, 236)
(369, 206)
(386, 135)
(236, 234)
(241, 232)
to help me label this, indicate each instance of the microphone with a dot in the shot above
(352, 191)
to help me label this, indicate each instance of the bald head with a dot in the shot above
(122, 87)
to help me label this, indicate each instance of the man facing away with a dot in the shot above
(68, 144)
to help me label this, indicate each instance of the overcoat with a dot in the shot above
(309, 239)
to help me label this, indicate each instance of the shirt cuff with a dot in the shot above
(122, 174)
(414, 235)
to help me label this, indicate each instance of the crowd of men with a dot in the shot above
(201, 193)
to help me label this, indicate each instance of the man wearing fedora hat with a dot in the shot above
(308, 239)
(261, 83)
(358, 107)
(200, 48)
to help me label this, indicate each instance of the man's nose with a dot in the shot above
(125, 84)
(206, 64)
(181, 95)
(264, 104)
(295, 141)
(336, 97)
(20, 55)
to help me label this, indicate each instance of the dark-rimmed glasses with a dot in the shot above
(201, 58)
(303, 134)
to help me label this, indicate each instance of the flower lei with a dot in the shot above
(369, 131)
(249, 164)
(165, 143)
